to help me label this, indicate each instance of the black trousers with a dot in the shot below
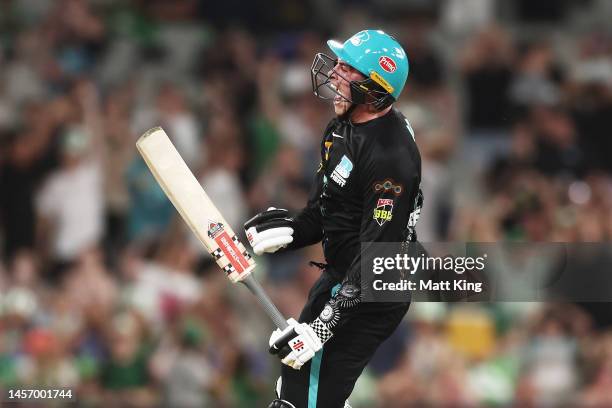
(328, 379)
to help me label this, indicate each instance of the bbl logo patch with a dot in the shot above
(383, 211)
(342, 171)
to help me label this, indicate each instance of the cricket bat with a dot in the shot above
(201, 215)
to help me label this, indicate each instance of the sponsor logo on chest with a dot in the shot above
(342, 171)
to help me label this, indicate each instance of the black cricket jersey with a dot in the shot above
(365, 191)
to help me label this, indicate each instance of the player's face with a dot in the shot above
(341, 76)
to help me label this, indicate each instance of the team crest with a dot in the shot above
(342, 171)
(383, 211)
(360, 38)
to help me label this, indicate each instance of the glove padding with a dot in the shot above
(269, 231)
(295, 345)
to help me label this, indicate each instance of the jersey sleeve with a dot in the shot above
(389, 181)
(307, 225)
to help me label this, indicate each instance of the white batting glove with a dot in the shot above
(296, 344)
(269, 231)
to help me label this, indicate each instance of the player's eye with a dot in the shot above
(342, 66)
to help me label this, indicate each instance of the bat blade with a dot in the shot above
(194, 205)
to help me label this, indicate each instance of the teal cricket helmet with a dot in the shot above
(378, 56)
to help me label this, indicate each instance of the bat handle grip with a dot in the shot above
(254, 286)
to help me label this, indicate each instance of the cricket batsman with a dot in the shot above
(366, 190)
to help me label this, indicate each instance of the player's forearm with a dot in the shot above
(307, 228)
(305, 234)
(308, 224)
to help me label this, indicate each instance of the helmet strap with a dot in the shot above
(361, 91)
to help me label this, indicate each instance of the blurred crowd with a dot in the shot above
(102, 288)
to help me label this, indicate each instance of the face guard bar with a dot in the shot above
(365, 92)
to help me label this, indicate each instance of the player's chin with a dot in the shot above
(341, 107)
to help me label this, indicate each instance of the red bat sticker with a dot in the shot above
(231, 251)
(227, 245)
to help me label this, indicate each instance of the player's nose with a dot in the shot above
(333, 76)
(332, 72)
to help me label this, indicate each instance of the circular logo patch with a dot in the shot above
(327, 313)
(387, 64)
